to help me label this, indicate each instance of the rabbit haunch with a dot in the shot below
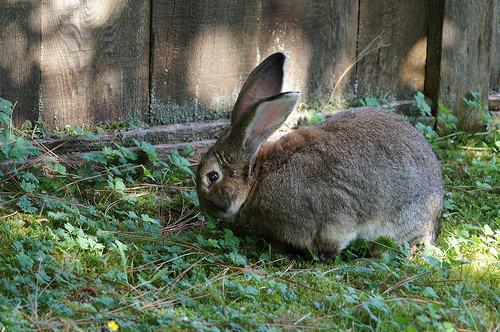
(347, 183)
(364, 174)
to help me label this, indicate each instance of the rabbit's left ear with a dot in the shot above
(264, 81)
(265, 118)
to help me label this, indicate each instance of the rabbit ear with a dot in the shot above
(263, 120)
(264, 81)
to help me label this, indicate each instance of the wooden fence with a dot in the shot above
(165, 61)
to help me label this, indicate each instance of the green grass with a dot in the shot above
(115, 244)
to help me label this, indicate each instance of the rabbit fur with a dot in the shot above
(366, 173)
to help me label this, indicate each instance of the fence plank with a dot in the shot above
(20, 56)
(398, 66)
(94, 60)
(320, 39)
(495, 50)
(466, 40)
(201, 49)
(204, 50)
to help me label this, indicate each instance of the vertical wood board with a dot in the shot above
(397, 63)
(204, 50)
(495, 49)
(20, 57)
(94, 61)
(200, 52)
(465, 57)
(320, 40)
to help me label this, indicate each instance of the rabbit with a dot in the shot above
(366, 173)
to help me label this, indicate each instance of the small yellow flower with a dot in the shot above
(113, 326)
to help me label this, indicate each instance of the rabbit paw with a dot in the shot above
(326, 256)
(327, 248)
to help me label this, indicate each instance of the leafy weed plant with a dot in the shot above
(115, 242)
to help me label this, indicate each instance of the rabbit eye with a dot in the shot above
(212, 176)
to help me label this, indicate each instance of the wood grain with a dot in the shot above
(204, 51)
(398, 64)
(94, 61)
(200, 57)
(465, 57)
(165, 134)
(20, 57)
(495, 48)
(319, 38)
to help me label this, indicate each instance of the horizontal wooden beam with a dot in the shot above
(167, 134)
(170, 137)
(494, 102)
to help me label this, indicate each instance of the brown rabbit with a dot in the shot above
(366, 173)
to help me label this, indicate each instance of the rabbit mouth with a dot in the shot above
(220, 211)
(214, 209)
